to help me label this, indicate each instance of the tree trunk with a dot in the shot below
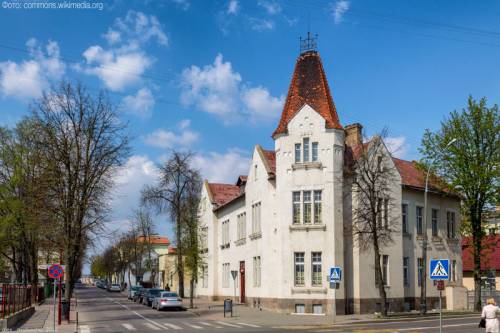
(180, 261)
(476, 245)
(191, 292)
(380, 280)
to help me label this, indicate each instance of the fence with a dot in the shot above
(485, 294)
(15, 298)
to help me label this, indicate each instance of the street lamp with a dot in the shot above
(423, 289)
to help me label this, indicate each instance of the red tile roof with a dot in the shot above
(309, 86)
(223, 193)
(270, 156)
(490, 255)
(155, 239)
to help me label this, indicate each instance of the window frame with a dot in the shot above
(435, 222)
(419, 220)
(306, 207)
(314, 151)
(298, 153)
(316, 269)
(404, 217)
(306, 149)
(406, 271)
(299, 281)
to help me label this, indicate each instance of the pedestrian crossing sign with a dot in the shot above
(439, 269)
(335, 274)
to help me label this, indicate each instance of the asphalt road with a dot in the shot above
(102, 311)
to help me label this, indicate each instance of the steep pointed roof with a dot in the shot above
(309, 86)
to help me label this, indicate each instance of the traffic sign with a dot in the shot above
(335, 274)
(439, 269)
(55, 271)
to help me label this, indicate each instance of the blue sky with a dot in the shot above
(211, 76)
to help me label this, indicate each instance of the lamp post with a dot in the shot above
(423, 289)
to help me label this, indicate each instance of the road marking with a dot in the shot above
(175, 327)
(153, 327)
(128, 326)
(84, 329)
(228, 324)
(432, 327)
(249, 325)
(209, 324)
(193, 326)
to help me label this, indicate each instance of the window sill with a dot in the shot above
(307, 227)
(240, 242)
(437, 239)
(256, 235)
(420, 237)
(307, 165)
(313, 290)
(225, 246)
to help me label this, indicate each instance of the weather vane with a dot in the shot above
(309, 43)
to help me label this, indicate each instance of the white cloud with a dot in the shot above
(29, 78)
(397, 146)
(218, 89)
(169, 139)
(258, 24)
(139, 104)
(271, 7)
(233, 7)
(222, 168)
(182, 4)
(123, 63)
(339, 9)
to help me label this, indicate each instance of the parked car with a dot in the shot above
(132, 291)
(115, 287)
(150, 295)
(167, 299)
(140, 295)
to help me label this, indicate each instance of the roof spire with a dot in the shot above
(310, 43)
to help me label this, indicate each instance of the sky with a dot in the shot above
(211, 76)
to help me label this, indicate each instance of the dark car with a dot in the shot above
(140, 295)
(150, 296)
(132, 291)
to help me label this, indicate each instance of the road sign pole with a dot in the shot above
(334, 305)
(59, 305)
(54, 305)
(440, 313)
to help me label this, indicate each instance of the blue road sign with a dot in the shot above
(55, 271)
(439, 269)
(335, 274)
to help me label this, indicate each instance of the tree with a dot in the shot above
(97, 268)
(84, 143)
(373, 178)
(145, 228)
(168, 195)
(470, 166)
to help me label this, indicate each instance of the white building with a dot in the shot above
(283, 258)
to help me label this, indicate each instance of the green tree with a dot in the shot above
(470, 165)
(97, 268)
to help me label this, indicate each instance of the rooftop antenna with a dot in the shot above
(309, 43)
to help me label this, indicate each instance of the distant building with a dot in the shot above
(169, 273)
(281, 227)
(490, 263)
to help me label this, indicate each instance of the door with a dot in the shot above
(242, 282)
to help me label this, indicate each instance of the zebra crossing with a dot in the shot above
(161, 325)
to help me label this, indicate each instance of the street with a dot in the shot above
(102, 311)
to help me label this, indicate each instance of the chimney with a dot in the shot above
(353, 134)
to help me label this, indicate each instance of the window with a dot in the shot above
(419, 220)
(404, 216)
(204, 238)
(317, 308)
(225, 234)
(450, 224)
(255, 172)
(317, 207)
(204, 274)
(406, 271)
(385, 269)
(297, 152)
(226, 272)
(316, 269)
(434, 221)
(420, 267)
(296, 207)
(299, 268)
(307, 206)
(300, 308)
(256, 271)
(241, 226)
(314, 155)
(453, 270)
(256, 218)
(305, 142)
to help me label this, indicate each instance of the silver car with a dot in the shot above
(167, 299)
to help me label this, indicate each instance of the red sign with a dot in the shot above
(440, 285)
(56, 271)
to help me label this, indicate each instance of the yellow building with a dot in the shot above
(168, 272)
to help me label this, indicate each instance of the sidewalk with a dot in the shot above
(251, 315)
(43, 319)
